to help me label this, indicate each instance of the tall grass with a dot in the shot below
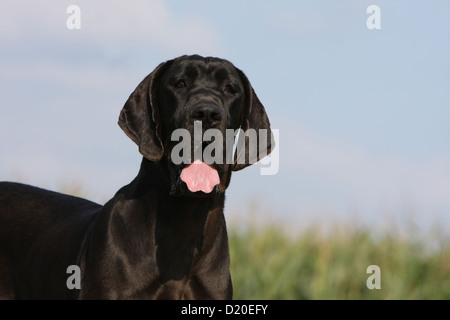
(266, 263)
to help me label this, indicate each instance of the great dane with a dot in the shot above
(163, 236)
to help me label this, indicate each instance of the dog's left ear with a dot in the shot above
(139, 118)
(254, 122)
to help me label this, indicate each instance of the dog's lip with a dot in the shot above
(217, 167)
(181, 166)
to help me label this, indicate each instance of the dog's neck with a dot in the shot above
(185, 216)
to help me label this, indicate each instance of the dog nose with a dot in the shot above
(208, 113)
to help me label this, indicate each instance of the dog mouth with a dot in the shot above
(197, 179)
(200, 176)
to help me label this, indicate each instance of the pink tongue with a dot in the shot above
(200, 177)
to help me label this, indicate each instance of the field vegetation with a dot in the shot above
(267, 262)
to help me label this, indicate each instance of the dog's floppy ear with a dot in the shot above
(254, 123)
(139, 118)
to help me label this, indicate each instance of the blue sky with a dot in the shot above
(363, 114)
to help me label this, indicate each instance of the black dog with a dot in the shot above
(163, 236)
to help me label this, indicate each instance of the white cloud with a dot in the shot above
(148, 23)
(118, 44)
(122, 24)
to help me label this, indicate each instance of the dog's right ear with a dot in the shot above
(139, 118)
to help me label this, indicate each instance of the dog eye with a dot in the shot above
(178, 85)
(229, 89)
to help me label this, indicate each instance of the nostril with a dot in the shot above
(216, 115)
(209, 113)
(198, 114)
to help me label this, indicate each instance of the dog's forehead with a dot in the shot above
(195, 66)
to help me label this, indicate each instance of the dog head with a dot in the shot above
(188, 111)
